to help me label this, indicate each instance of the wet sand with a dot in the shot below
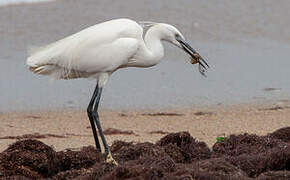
(71, 129)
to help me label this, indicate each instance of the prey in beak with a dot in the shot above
(194, 56)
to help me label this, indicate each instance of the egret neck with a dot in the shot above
(151, 51)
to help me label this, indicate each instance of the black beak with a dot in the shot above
(203, 66)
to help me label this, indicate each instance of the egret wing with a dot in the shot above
(89, 50)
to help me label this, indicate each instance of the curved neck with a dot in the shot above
(153, 43)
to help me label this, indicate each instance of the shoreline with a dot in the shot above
(252, 103)
(70, 129)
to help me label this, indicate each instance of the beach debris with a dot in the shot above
(202, 113)
(123, 114)
(220, 139)
(162, 114)
(275, 108)
(42, 136)
(174, 156)
(191, 149)
(273, 175)
(33, 136)
(282, 134)
(158, 132)
(32, 117)
(113, 131)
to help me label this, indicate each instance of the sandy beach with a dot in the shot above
(70, 128)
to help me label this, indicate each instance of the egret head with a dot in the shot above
(174, 36)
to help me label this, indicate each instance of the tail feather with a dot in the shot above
(45, 55)
(44, 69)
(57, 72)
(43, 60)
(52, 60)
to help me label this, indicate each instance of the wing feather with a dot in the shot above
(101, 47)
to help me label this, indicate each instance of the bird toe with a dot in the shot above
(111, 160)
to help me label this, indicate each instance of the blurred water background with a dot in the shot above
(247, 44)
(11, 2)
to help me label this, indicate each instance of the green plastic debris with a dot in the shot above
(220, 139)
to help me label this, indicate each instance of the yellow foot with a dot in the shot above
(111, 160)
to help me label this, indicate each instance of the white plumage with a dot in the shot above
(88, 52)
(98, 51)
(102, 49)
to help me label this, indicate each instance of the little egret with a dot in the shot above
(98, 51)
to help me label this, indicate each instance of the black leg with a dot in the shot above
(90, 115)
(95, 114)
(96, 118)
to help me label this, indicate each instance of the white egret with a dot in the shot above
(99, 50)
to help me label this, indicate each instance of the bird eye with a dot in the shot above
(177, 36)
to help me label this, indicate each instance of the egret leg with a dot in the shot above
(109, 157)
(91, 118)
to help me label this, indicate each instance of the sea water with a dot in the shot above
(244, 62)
